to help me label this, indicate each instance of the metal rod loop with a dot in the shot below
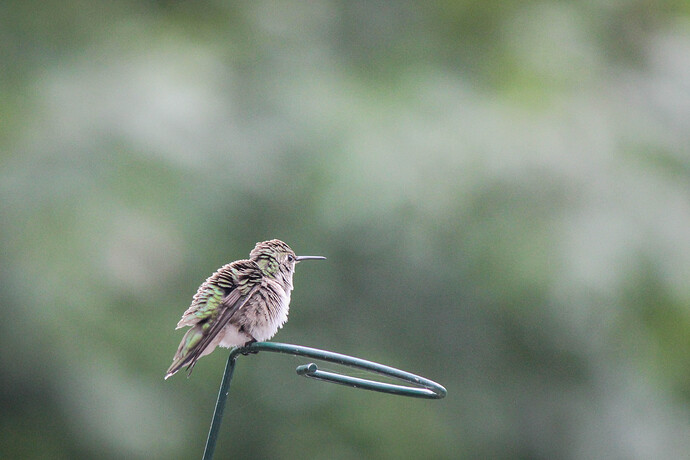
(423, 387)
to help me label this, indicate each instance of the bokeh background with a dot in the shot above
(502, 190)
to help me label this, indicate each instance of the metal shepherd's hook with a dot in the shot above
(422, 387)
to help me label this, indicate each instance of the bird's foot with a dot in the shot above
(245, 351)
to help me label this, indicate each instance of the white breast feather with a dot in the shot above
(230, 336)
(266, 331)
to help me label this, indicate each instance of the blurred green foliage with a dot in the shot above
(502, 190)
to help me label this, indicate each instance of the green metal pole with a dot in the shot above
(220, 407)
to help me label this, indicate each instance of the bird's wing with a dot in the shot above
(217, 286)
(215, 303)
(229, 306)
(202, 334)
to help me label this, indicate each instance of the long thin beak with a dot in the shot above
(301, 258)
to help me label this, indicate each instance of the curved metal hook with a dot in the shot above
(424, 388)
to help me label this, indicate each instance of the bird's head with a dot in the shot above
(275, 258)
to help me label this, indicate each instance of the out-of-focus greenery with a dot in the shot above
(502, 190)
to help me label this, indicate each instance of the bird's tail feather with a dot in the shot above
(186, 354)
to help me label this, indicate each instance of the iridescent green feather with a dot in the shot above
(209, 303)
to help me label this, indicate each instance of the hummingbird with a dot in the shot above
(243, 302)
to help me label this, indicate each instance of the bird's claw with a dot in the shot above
(246, 351)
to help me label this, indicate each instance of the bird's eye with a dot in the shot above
(291, 258)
